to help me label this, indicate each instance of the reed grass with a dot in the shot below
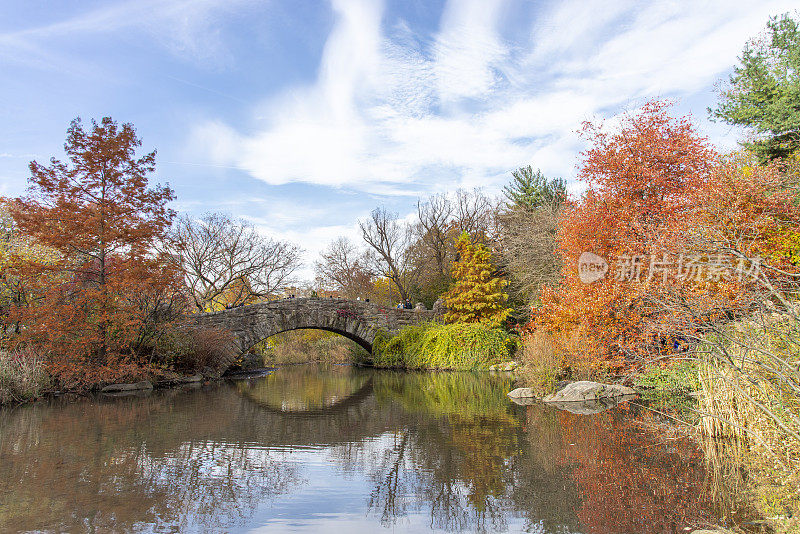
(547, 359)
(542, 362)
(748, 378)
(22, 376)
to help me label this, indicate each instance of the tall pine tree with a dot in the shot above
(531, 190)
(763, 91)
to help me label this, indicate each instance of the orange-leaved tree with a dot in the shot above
(477, 294)
(637, 177)
(105, 285)
(742, 233)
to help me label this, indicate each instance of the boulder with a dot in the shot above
(521, 393)
(585, 390)
(190, 379)
(144, 385)
(506, 366)
(590, 407)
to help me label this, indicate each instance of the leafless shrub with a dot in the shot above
(343, 267)
(474, 214)
(434, 235)
(192, 348)
(22, 375)
(528, 248)
(388, 240)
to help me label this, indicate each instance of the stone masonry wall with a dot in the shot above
(355, 319)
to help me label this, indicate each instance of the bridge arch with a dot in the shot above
(355, 319)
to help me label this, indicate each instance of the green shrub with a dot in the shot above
(678, 376)
(457, 346)
(667, 389)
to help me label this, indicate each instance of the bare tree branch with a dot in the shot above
(227, 263)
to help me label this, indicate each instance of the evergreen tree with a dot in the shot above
(764, 91)
(477, 295)
(533, 190)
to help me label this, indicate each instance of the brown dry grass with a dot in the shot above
(22, 375)
(756, 415)
(546, 359)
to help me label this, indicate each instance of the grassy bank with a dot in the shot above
(746, 378)
(456, 346)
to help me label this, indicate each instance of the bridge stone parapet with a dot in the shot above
(355, 319)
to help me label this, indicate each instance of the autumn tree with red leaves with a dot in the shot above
(674, 221)
(636, 200)
(104, 286)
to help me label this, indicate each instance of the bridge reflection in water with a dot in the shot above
(307, 391)
(312, 449)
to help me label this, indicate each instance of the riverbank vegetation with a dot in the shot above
(98, 279)
(22, 376)
(456, 346)
(303, 346)
(677, 268)
(474, 336)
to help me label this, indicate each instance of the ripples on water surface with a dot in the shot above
(309, 449)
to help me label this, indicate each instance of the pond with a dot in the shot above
(341, 449)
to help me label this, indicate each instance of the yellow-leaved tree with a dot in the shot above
(477, 296)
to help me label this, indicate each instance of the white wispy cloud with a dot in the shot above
(393, 111)
(186, 28)
(10, 155)
(468, 53)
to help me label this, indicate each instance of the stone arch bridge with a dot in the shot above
(355, 319)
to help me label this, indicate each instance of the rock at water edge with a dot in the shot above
(521, 393)
(588, 391)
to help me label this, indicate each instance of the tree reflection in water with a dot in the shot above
(127, 465)
(447, 447)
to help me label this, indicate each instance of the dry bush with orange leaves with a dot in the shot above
(678, 225)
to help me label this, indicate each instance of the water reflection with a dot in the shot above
(310, 449)
(305, 390)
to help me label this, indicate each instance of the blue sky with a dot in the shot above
(302, 116)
